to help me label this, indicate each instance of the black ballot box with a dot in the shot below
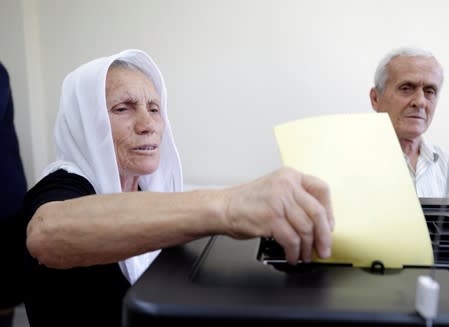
(248, 283)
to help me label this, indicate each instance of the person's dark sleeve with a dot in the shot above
(57, 186)
(5, 91)
(12, 191)
(69, 297)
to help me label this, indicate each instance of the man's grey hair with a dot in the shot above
(381, 75)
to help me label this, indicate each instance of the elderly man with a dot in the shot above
(407, 85)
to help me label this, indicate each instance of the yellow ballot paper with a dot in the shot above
(378, 216)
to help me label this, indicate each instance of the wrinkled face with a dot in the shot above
(410, 94)
(136, 121)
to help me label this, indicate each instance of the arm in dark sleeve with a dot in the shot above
(84, 294)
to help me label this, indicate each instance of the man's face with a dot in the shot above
(410, 94)
(136, 121)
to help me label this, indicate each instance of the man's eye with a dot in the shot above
(121, 109)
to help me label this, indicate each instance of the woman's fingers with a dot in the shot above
(310, 214)
(320, 190)
(309, 219)
(287, 237)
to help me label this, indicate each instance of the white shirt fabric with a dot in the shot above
(84, 144)
(431, 175)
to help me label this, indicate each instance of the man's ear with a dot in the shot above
(374, 97)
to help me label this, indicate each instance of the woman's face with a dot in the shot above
(136, 121)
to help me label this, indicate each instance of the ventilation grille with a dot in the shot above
(436, 212)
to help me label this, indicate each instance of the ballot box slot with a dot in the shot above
(437, 220)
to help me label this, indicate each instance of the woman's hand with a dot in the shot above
(293, 208)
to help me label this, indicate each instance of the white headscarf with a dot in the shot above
(84, 144)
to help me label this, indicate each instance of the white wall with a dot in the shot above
(233, 68)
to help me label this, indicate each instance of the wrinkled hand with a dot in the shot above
(293, 208)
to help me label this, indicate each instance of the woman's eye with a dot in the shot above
(121, 109)
(154, 109)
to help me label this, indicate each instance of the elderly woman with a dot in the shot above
(113, 199)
